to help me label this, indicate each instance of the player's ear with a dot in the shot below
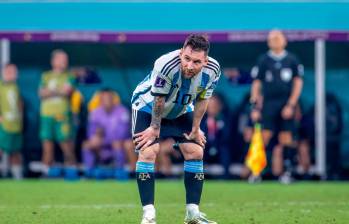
(206, 60)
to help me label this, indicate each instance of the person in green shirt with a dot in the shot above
(55, 91)
(11, 119)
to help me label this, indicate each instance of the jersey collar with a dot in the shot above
(277, 57)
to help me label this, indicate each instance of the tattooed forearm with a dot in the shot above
(158, 108)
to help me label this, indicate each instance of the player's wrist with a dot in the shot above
(291, 105)
(195, 129)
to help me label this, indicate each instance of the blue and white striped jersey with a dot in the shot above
(181, 93)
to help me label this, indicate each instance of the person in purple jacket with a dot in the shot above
(108, 131)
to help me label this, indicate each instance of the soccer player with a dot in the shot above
(55, 91)
(275, 92)
(11, 114)
(108, 131)
(170, 103)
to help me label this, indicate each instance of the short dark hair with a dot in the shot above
(198, 42)
(57, 51)
(106, 90)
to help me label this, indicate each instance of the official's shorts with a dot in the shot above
(272, 119)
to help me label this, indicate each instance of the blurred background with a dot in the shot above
(113, 44)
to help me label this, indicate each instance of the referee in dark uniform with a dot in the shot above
(275, 91)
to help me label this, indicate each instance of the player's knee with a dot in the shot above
(149, 154)
(285, 138)
(192, 151)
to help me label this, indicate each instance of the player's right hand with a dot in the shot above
(145, 138)
(255, 115)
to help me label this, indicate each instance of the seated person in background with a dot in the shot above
(108, 133)
(11, 114)
(303, 142)
(55, 91)
(215, 124)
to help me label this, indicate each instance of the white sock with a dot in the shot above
(4, 164)
(149, 211)
(193, 209)
(17, 172)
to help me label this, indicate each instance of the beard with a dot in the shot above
(189, 73)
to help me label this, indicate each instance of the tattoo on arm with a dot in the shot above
(158, 108)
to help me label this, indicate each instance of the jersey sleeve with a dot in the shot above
(258, 71)
(161, 83)
(211, 86)
(297, 68)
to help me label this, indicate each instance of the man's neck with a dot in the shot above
(57, 71)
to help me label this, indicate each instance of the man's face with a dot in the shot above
(9, 73)
(192, 61)
(107, 100)
(276, 40)
(60, 61)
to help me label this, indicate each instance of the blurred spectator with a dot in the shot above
(11, 116)
(237, 76)
(166, 154)
(108, 135)
(55, 91)
(303, 134)
(334, 129)
(274, 95)
(215, 125)
(245, 132)
(86, 75)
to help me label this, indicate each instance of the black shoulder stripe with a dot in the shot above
(213, 64)
(212, 68)
(169, 63)
(170, 69)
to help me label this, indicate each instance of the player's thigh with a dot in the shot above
(191, 151)
(267, 135)
(285, 136)
(149, 154)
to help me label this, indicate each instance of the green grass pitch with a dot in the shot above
(107, 202)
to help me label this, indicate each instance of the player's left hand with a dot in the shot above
(287, 112)
(198, 136)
